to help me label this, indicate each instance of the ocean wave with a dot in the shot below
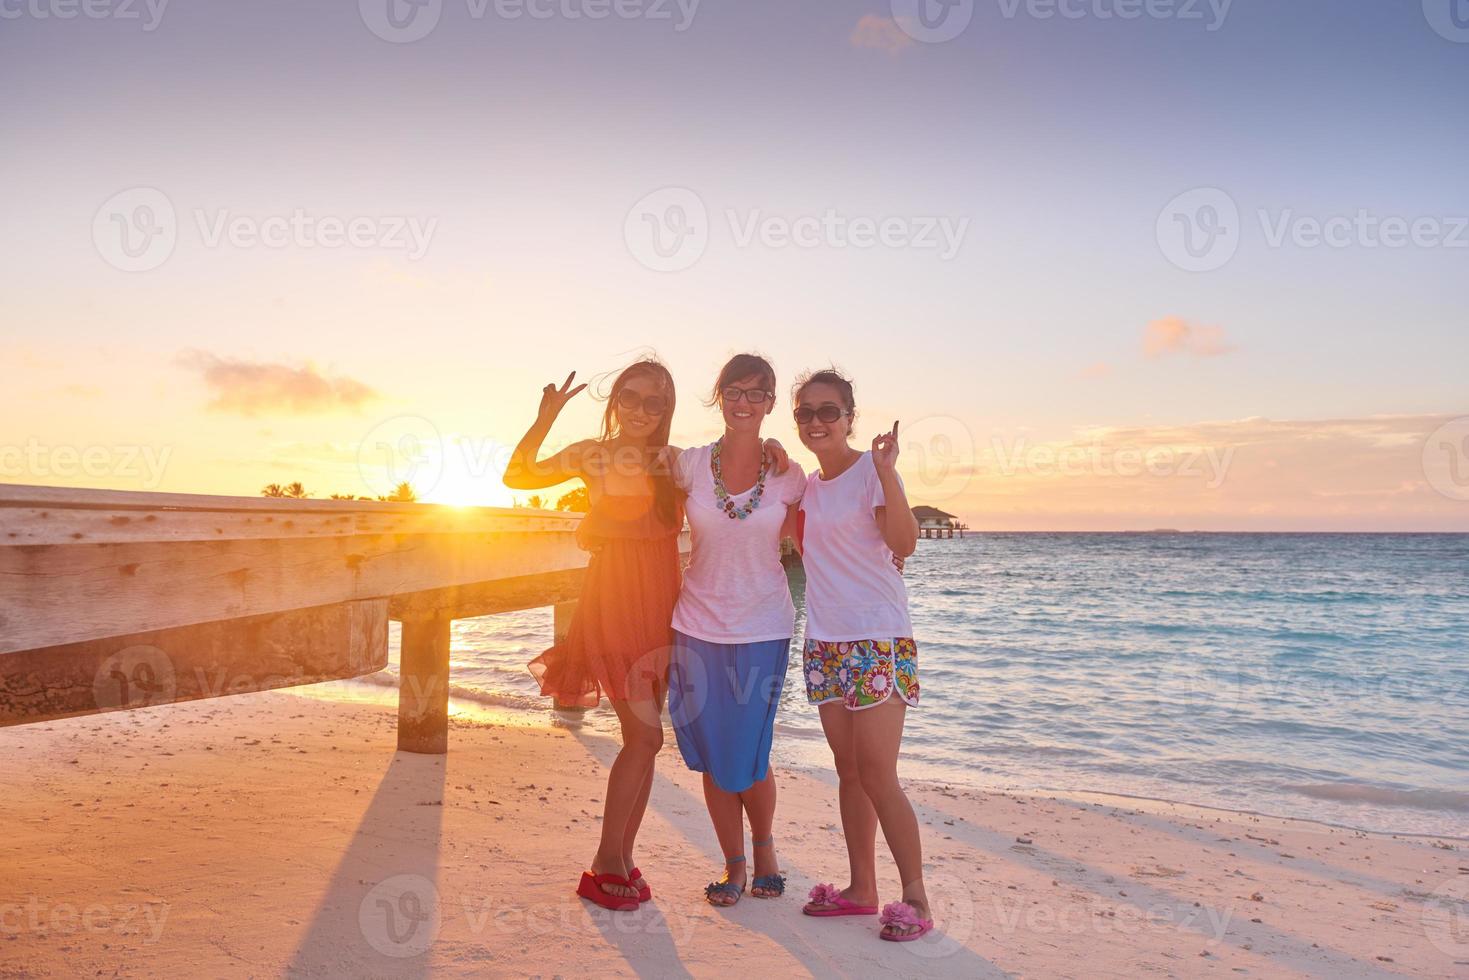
(468, 692)
(1418, 799)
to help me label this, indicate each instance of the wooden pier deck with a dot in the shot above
(114, 600)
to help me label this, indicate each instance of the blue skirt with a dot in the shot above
(722, 699)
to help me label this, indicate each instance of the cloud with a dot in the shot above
(1175, 335)
(881, 33)
(252, 388)
(81, 391)
(1338, 474)
(1093, 371)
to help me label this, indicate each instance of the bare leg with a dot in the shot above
(759, 804)
(649, 714)
(626, 791)
(630, 838)
(878, 733)
(729, 827)
(859, 819)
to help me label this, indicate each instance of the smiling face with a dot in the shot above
(740, 415)
(630, 402)
(816, 435)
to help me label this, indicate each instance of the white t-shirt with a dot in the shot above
(735, 589)
(853, 592)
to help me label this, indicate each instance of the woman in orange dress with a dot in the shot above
(618, 643)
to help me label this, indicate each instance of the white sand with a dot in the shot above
(270, 834)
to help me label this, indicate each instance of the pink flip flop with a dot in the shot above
(832, 895)
(905, 916)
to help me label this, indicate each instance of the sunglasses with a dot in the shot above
(754, 396)
(632, 401)
(826, 413)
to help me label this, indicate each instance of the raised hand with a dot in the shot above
(553, 399)
(885, 449)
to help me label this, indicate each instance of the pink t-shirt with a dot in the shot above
(853, 592)
(735, 589)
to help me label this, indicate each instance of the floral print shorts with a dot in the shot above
(861, 673)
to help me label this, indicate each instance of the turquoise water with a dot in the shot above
(1319, 676)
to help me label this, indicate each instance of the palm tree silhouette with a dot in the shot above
(403, 494)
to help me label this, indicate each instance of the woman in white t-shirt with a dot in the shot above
(859, 658)
(733, 625)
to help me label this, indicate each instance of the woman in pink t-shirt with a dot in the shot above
(859, 658)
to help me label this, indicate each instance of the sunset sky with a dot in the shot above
(466, 216)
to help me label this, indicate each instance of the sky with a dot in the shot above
(1111, 264)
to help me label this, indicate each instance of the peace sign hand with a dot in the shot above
(885, 450)
(553, 399)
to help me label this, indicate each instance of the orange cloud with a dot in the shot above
(1093, 371)
(1175, 335)
(1247, 474)
(881, 33)
(252, 388)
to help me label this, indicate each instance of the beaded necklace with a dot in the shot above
(722, 495)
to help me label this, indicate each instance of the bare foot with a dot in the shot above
(734, 874)
(637, 883)
(765, 864)
(920, 908)
(600, 867)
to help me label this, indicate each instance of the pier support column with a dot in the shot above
(423, 686)
(561, 614)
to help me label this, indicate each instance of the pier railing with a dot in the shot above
(113, 600)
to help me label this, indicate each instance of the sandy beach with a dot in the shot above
(273, 834)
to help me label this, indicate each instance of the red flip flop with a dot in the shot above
(645, 893)
(590, 888)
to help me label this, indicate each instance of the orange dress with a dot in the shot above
(618, 643)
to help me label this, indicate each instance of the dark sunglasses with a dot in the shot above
(632, 401)
(826, 413)
(754, 396)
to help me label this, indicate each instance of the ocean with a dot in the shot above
(1321, 676)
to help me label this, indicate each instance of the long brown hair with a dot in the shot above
(665, 499)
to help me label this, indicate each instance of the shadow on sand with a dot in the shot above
(824, 947)
(380, 914)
